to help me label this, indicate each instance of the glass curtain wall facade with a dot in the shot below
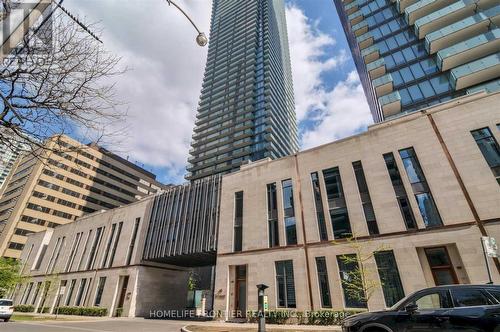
(411, 54)
(246, 109)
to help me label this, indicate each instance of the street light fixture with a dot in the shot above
(201, 39)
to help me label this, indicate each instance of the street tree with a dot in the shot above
(10, 269)
(362, 280)
(60, 80)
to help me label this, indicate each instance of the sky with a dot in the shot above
(161, 87)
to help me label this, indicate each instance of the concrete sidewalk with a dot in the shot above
(62, 317)
(244, 327)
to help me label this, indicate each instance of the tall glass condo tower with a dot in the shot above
(246, 110)
(411, 54)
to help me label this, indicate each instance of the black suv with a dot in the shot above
(468, 308)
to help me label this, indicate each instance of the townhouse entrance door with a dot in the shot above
(441, 266)
(241, 291)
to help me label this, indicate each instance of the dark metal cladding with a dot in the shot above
(183, 224)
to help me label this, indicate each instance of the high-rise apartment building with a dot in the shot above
(68, 181)
(411, 54)
(9, 151)
(246, 110)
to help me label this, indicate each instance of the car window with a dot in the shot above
(469, 297)
(495, 293)
(432, 301)
(5, 303)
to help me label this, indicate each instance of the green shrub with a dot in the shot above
(24, 308)
(119, 312)
(44, 310)
(82, 311)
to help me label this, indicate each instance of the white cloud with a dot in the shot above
(334, 113)
(163, 86)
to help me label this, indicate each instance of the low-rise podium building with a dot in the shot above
(421, 189)
(418, 192)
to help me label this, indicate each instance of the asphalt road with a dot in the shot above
(118, 325)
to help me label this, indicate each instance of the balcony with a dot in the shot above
(476, 72)
(469, 50)
(488, 87)
(423, 8)
(376, 68)
(360, 28)
(462, 30)
(383, 85)
(448, 15)
(390, 104)
(365, 40)
(370, 54)
(355, 17)
(402, 4)
(351, 7)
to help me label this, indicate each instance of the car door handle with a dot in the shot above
(443, 319)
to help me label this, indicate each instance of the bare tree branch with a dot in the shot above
(61, 82)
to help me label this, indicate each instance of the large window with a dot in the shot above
(27, 293)
(238, 221)
(441, 266)
(285, 284)
(272, 215)
(80, 264)
(132, 241)
(37, 291)
(400, 191)
(389, 277)
(489, 148)
(94, 248)
(70, 292)
(289, 212)
(420, 188)
(366, 201)
(74, 250)
(79, 294)
(115, 244)
(336, 203)
(324, 287)
(318, 202)
(351, 281)
(108, 245)
(100, 290)
(40, 257)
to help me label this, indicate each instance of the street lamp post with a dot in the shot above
(201, 39)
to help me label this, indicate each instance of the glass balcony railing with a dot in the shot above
(355, 17)
(365, 40)
(370, 54)
(462, 30)
(487, 87)
(469, 50)
(402, 4)
(383, 85)
(424, 7)
(351, 7)
(360, 28)
(390, 103)
(376, 68)
(443, 17)
(476, 72)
